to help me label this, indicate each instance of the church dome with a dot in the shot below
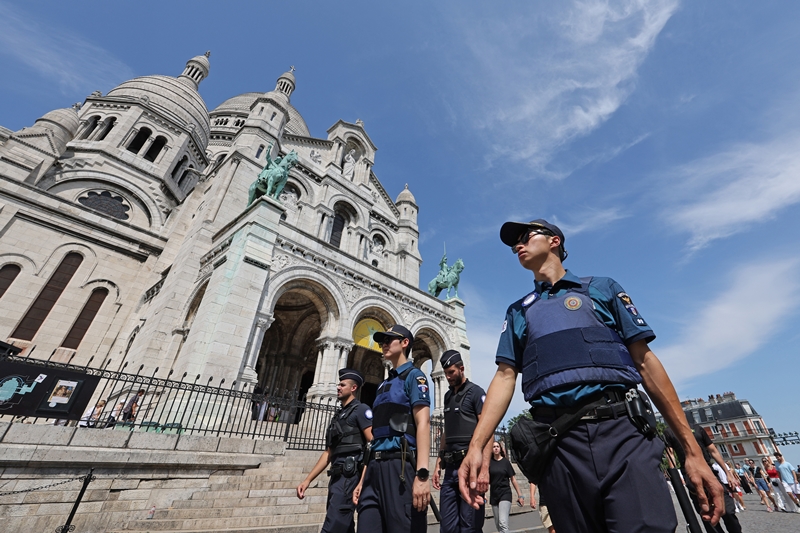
(67, 118)
(173, 97)
(406, 196)
(243, 102)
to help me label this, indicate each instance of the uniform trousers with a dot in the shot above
(457, 515)
(605, 477)
(340, 507)
(386, 503)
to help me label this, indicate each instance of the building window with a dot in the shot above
(747, 409)
(178, 167)
(107, 203)
(696, 416)
(259, 151)
(90, 127)
(155, 148)
(338, 227)
(374, 263)
(709, 415)
(759, 427)
(110, 123)
(7, 276)
(44, 303)
(715, 430)
(183, 184)
(139, 140)
(85, 318)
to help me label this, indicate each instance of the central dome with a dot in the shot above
(173, 98)
(243, 102)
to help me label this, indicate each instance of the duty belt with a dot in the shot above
(453, 457)
(380, 455)
(614, 409)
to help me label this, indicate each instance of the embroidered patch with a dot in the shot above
(640, 322)
(529, 299)
(625, 298)
(423, 388)
(422, 380)
(573, 303)
(505, 324)
(368, 414)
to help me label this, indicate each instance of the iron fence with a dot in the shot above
(195, 406)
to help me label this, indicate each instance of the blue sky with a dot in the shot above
(662, 136)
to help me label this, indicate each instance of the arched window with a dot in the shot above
(138, 141)
(155, 148)
(259, 151)
(339, 222)
(7, 276)
(90, 127)
(178, 167)
(110, 123)
(183, 184)
(44, 303)
(85, 318)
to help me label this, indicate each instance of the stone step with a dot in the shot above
(306, 505)
(304, 528)
(312, 495)
(273, 520)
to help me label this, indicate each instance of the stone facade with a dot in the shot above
(127, 235)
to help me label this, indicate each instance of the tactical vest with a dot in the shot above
(568, 344)
(341, 437)
(458, 425)
(392, 415)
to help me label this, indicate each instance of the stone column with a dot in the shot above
(249, 372)
(327, 358)
(440, 384)
(146, 146)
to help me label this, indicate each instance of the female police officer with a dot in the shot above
(396, 490)
(581, 343)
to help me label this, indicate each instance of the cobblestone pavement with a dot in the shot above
(755, 519)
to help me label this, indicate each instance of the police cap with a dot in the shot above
(395, 332)
(511, 231)
(350, 373)
(450, 358)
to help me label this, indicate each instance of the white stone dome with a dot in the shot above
(173, 97)
(67, 118)
(243, 102)
(406, 196)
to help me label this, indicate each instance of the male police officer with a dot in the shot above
(345, 441)
(581, 342)
(462, 407)
(394, 493)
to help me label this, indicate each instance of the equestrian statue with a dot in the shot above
(273, 177)
(447, 278)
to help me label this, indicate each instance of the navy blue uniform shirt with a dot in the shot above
(611, 304)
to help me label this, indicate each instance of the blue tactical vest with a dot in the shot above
(391, 411)
(569, 345)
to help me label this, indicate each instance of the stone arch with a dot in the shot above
(429, 344)
(112, 287)
(373, 315)
(302, 184)
(22, 261)
(54, 259)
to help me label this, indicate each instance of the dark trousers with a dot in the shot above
(340, 509)
(605, 477)
(730, 520)
(457, 515)
(385, 504)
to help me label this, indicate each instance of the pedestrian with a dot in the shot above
(788, 478)
(582, 348)
(713, 458)
(115, 415)
(500, 473)
(394, 492)
(736, 487)
(92, 415)
(132, 406)
(544, 514)
(463, 403)
(777, 487)
(761, 485)
(345, 442)
(256, 400)
(744, 478)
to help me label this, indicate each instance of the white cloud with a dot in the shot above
(735, 323)
(66, 58)
(722, 194)
(550, 74)
(590, 220)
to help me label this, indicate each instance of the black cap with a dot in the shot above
(450, 358)
(351, 373)
(395, 332)
(511, 231)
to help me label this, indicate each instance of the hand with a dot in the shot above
(421, 491)
(301, 489)
(701, 475)
(521, 501)
(533, 503)
(436, 479)
(357, 493)
(470, 481)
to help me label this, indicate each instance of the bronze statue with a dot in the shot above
(447, 278)
(273, 177)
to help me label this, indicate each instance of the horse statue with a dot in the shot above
(447, 278)
(273, 177)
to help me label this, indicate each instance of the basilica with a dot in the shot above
(129, 239)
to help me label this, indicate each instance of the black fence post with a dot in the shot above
(68, 526)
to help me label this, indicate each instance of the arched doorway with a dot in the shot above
(366, 355)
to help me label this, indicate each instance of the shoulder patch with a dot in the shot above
(368, 414)
(422, 380)
(628, 303)
(423, 387)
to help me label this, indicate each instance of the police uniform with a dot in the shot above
(461, 409)
(345, 439)
(569, 341)
(385, 504)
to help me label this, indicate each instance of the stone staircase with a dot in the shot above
(262, 499)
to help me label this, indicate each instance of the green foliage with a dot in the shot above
(526, 413)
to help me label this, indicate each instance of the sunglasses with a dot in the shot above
(525, 237)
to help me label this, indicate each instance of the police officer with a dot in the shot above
(463, 403)
(348, 434)
(581, 342)
(394, 493)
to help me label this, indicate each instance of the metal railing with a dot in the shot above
(196, 406)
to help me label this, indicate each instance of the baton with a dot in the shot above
(692, 524)
(435, 510)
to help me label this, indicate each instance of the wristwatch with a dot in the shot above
(422, 474)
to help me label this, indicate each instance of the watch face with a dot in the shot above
(422, 474)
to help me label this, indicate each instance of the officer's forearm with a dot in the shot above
(422, 417)
(660, 389)
(322, 463)
(498, 398)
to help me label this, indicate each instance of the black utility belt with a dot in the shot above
(349, 467)
(453, 457)
(604, 412)
(380, 455)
